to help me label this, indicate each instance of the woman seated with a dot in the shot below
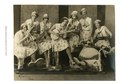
(58, 42)
(24, 46)
(101, 35)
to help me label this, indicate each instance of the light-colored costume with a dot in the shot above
(102, 41)
(59, 44)
(86, 32)
(25, 48)
(45, 43)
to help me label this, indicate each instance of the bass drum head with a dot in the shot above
(88, 52)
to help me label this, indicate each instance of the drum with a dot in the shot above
(88, 52)
(91, 57)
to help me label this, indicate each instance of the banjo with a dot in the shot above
(62, 34)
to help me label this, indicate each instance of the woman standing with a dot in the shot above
(73, 36)
(86, 23)
(44, 44)
(58, 43)
(24, 46)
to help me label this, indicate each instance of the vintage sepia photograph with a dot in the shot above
(64, 42)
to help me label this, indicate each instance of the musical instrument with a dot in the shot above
(91, 57)
(62, 34)
(88, 52)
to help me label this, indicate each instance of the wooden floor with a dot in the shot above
(42, 75)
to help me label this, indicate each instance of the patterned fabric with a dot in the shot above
(44, 27)
(74, 37)
(24, 49)
(46, 41)
(73, 41)
(44, 46)
(59, 44)
(86, 28)
(101, 43)
(86, 35)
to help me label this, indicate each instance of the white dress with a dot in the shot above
(45, 44)
(86, 28)
(59, 44)
(24, 49)
(104, 32)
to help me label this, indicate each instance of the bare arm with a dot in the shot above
(19, 38)
(95, 35)
(108, 32)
